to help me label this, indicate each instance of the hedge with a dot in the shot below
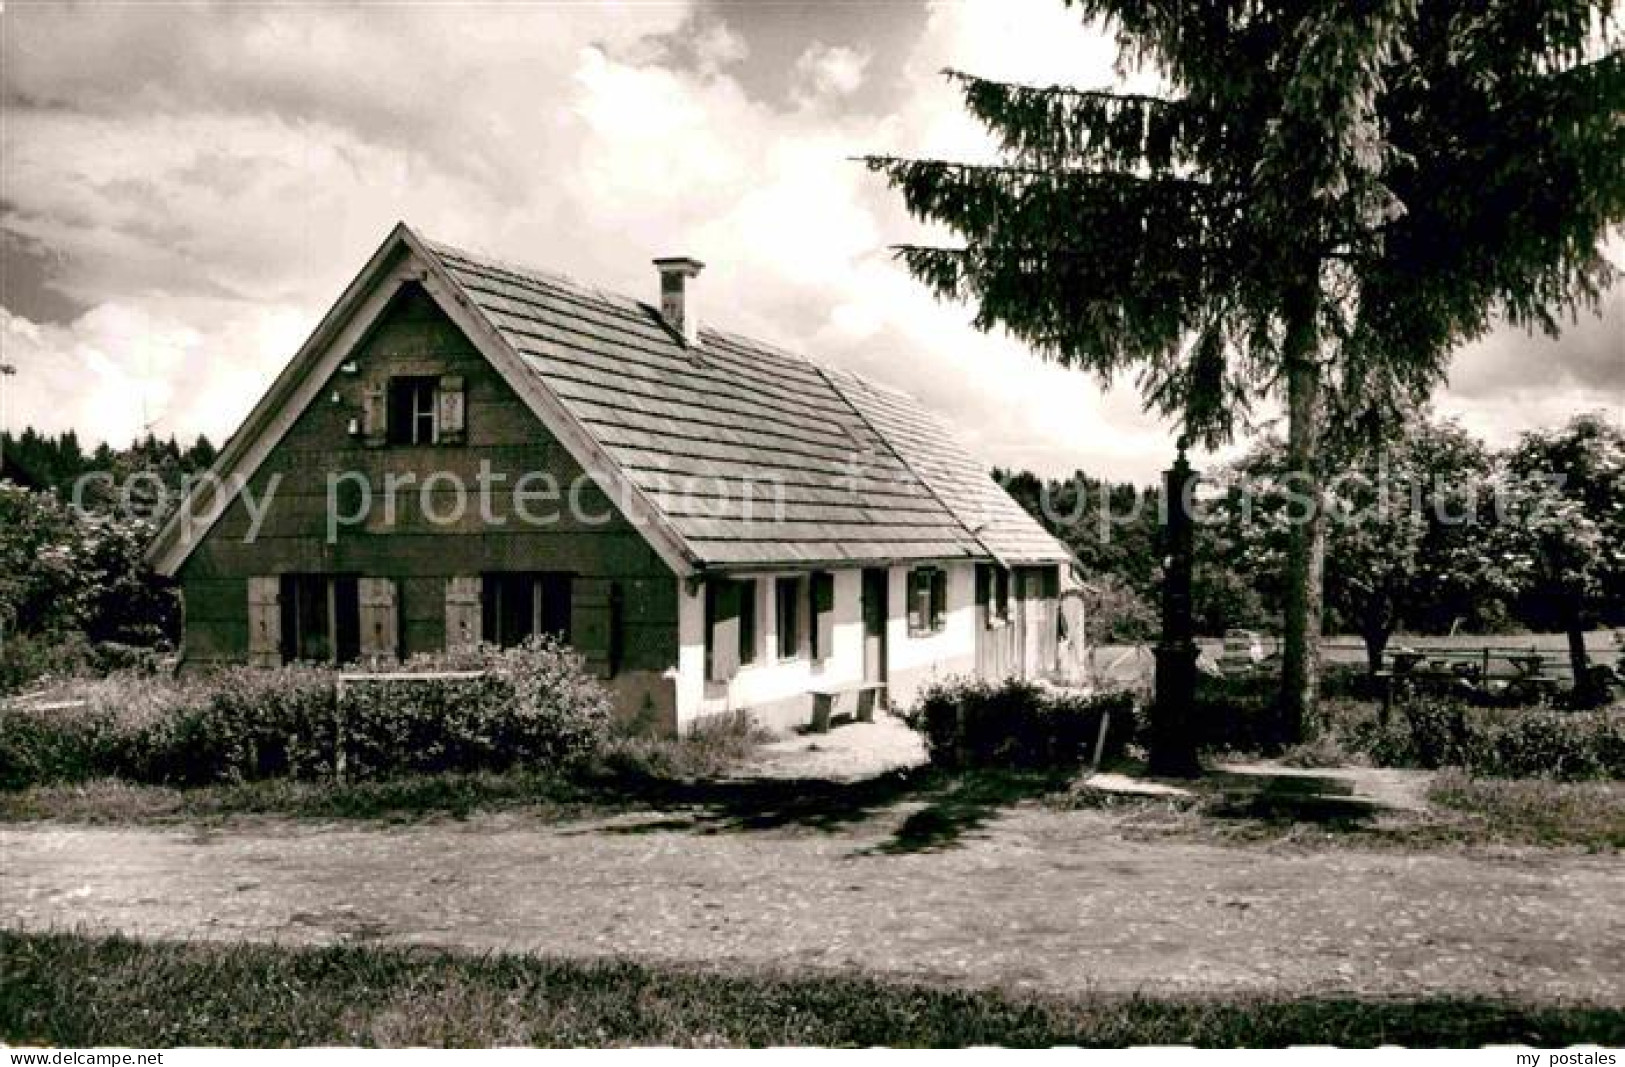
(1016, 724)
(533, 707)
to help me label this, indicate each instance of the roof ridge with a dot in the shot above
(535, 274)
(613, 298)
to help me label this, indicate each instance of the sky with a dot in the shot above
(186, 188)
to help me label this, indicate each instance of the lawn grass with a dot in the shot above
(111, 801)
(1537, 811)
(625, 774)
(81, 991)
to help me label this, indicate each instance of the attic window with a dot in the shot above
(413, 411)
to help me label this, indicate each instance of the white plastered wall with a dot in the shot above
(777, 691)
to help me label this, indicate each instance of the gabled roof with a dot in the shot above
(731, 454)
(933, 452)
(717, 436)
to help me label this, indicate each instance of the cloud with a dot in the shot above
(120, 369)
(830, 71)
(1589, 356)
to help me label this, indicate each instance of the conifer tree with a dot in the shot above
(1326, 200)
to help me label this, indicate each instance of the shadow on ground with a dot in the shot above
(1323, 800)
(945, 808)
(938, 809)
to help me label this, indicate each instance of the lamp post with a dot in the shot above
(1173, 740)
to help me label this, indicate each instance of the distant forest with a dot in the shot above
(56, 462)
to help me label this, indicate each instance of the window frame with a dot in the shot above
(412, 399)
(788, 640)
(550, 595)
(927, 600)
(332, 601)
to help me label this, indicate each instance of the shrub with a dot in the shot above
(533, 707)
(238, 725)
(1232, 712)
(30, 659)
(1496, 743)
(710, 747)
(1016, 724)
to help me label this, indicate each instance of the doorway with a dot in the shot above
(875, 613)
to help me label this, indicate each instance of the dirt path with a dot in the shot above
(1034, 898)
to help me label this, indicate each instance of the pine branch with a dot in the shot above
(891, 164)
(1060, 126)
(1064, 91)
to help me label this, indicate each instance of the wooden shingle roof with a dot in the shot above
(730, 454)
(750, 453)
(933, 452)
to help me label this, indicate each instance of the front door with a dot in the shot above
(874, 625)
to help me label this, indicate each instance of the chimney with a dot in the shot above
(677, 305)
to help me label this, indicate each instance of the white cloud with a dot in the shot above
(121, 369)
(716, 46)
(826, 71)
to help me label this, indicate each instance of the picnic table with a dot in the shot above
(1471, 669)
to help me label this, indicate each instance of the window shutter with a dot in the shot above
(939, 598)
(462, 612)
(722, 600)
(265, 621)
(592, 623)
(374, 417)
(380, 620)
(452, 409)
(823, 607)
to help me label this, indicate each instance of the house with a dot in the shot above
(469, 451)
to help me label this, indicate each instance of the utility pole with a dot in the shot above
(1173, 737)
(6, 371)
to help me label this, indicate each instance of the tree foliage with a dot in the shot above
(1416, 167)
(1561, 538)
(1406, 525)
(1327, 199)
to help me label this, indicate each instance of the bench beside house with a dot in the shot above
(729, 526)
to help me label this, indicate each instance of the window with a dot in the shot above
(787, 605)
(993, 594)
(927, 600)
(515, 605)
(413, 411)
(321, 618)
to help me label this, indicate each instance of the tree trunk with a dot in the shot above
(1376, 643)
(1306, 531)
(1579, 661)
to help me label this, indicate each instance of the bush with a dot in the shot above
(1232, 712)
(533, 707)
(1495, 743)
(712, 746)
(1016, 724)
(28, 659)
